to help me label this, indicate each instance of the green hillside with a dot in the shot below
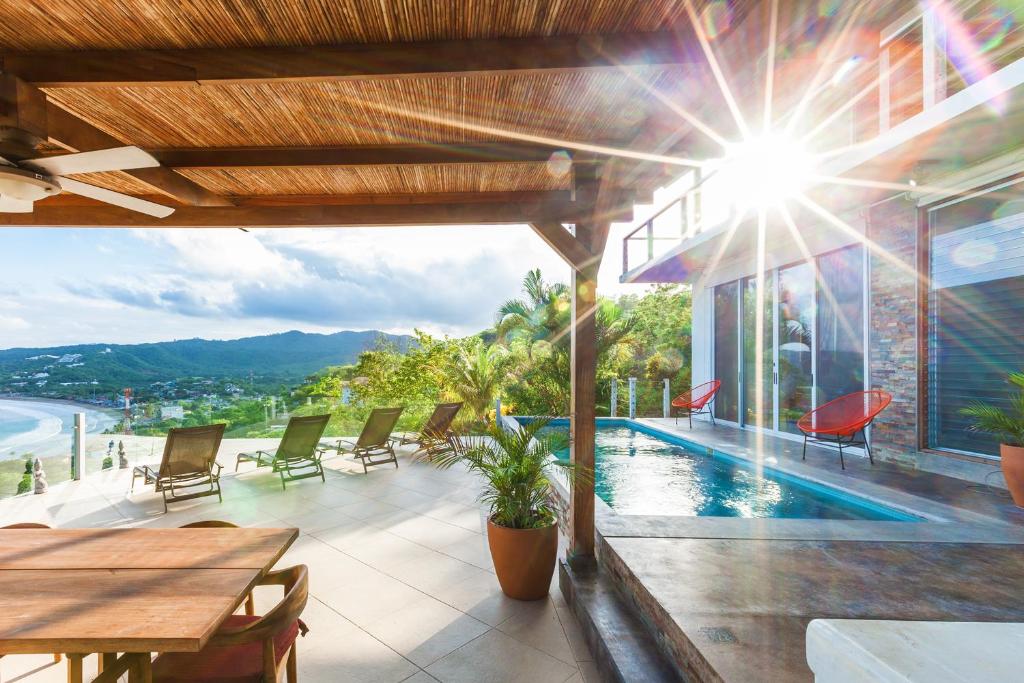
(82, 370)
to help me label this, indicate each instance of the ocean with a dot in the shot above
(44, 427)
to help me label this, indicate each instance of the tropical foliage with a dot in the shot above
(1007, 425)
(513, 464)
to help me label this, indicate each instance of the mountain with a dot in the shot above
(86, 368)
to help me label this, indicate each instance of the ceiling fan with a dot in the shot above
(26, 181)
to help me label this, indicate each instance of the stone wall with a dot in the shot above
(893, 310)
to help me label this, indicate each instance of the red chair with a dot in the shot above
(697, 400)
(839, 421)
(247, 648)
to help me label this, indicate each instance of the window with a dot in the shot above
(975, 310)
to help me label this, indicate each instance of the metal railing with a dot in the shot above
(663, 227)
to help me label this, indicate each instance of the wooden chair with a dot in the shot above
(189, 468)
(298, 455)
(838, 422)
(374, 445)
(250, 604)
(31, 525)
(439, 424)
(247, 648)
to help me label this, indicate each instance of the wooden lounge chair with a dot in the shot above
(189, 468)
(298, 455)
(250, 604)
(245, 647)
(374, 445)
(839, 421)
(438, 425)
(697, 400)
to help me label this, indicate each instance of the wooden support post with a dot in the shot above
(583, 339)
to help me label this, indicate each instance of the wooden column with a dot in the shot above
(583, 340)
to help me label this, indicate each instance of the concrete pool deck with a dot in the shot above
(729, 599)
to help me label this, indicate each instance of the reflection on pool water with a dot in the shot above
(639, 473)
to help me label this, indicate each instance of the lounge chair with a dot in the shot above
(374, 445)
(438, 425)
(189, 462)
(298, 455)
(248, 648)
(839, 421)
(697, 400)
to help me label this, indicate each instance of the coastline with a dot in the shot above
(51, 433)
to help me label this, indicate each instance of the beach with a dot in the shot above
(43, 426)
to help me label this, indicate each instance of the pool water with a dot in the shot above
(640, 473)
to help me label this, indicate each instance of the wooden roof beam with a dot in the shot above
(565, 244)
(358, 155)
(65, 214)
(93, 68)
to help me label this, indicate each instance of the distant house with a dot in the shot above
(172, 412)
(68, 358)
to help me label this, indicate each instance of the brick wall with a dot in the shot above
(892, 346)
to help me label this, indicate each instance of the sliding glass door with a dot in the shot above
(811, 348)
(796, 341)
(726, 343)
(758, 356)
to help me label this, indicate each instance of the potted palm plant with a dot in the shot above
(522, 527)
(1008, 425)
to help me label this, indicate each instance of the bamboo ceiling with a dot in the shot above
(574, 101)
(152, 24)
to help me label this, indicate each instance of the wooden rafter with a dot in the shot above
(353, 155)
(55, 69)
(327, 215)
(565, 244)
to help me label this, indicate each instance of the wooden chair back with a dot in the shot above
(302, 436)
(295, 581)
(209, 524)
(190, 450)
(26, 525)
(378, 427)
(440, 421)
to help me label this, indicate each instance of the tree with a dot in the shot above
(478, 376)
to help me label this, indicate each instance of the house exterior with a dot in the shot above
(904, 272)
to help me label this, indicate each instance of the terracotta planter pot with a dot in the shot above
(524, 559)
(1012, 461)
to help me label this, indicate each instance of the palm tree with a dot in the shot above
(540, 316)
(479, 375)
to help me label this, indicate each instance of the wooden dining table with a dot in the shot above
(126, 593)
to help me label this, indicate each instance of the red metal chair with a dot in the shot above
(839, 421)
(697, 400)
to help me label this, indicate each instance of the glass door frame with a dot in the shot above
(774, 292)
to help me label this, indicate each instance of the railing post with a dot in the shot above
(632, 397)
(497, 412)
(666, 399)
(650, 240)
(613, 408)
(78, 447)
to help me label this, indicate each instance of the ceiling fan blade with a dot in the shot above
(8, 205)
(115, 198)
(115, 159)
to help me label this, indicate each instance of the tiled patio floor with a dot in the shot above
(402, 586)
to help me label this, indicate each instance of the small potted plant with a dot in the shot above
(1008, 425)
(522, 527)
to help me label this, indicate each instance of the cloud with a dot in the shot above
(10, 322)
(451, 280)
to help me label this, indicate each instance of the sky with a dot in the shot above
(69, 286)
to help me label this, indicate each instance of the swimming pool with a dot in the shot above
(639, 471)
